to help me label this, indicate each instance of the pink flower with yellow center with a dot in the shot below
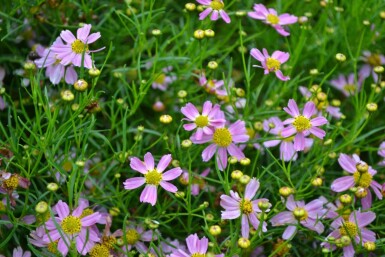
(271, 63)
(153, 177)
(347, 84)
(302, 124)
(270, 16)
(196, 248)
(216, 8)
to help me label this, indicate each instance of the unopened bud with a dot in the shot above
(378, 69)
(81, 85)
(286, 191)
(41, 207)
(245, 161)
(361, 192)
(209, 33)
(114, 211)
(165, 119)
(244, 179)
(156, 32)
(346, 199)
(264, 205)
(212, 65)
(94, 72)
(314, 72)
(371, 107)
(362, 167)
(340, 57)
(190, 6)
(240, 92)
(258, 125)
(236, 174)
(243, 243)
(182, 93)
(180, 194)
(215, 230)
(370, 246)
(52, 187)
(233, 160)
(67, 95)
(199, 34)
(317, 182)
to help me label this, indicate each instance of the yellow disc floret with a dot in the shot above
(273, 64)
(301, 123)
(246, 206)
(300, 213)
(201, 121)
(79, 47)
(217, 5)
(222, 137)
(198, 255)
(11, 183)
(362, 179)
(374, 60)
(71, 225)
(99, 251)
(52, 247)
(86, 212)
(153, 177)
(132, 236)
(272, 19)
(349, 229)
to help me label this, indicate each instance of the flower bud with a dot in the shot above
(245, 161)
(264, 205)
(314, 72)
(346, 199)
(215, 230)
(371, 107)
(362, 167)
(345, 241)
(165, 119)
(209, 33)
(186, 143)
(328, 141)
(378, 69)
(370, 246)
(286, 191)
(209, 217)
(41, 207)
(190, 6)
(52, 187)
(236, 174)
(114, 211)
(317, 182)
(233, 160)
(158, 106)
(180, 194)
(94, 72)
(340, 57)
(240, 13)
(182, 93)
(240, 92)
(81, 85)
(199, 34)
(156, 32)
(67, 95)
(212, 65)
(243, 243)
(361, 192)
(175, 163)
(258, 125)
(244, 179)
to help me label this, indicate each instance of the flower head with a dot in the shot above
(270, 16)
(302, 124)
(216, 8)
(72, 52)
(212, 86)
(371, 60)
(271, 63)
(347, 85)
(152, 177)
(135, 236)
(196, 247)
(162, 80)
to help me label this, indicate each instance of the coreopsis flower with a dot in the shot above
(235, 207)
(196, 247)
(347, 84)
(352, 229)
(270, 16)
(163, 79)
(307, 215)
(321, 102)
(55, 71)
(271, 63)
(371, 60)
(362, 178)
(71, 228)
(75, 51)
(135, 236)
(216, 8)
(212, 86)
(302, 124)
(204, 123)
(223, 140)
(381, 152)
(9, 183)
(274, 126)
(152, 177)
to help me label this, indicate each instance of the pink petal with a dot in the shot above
(342, 184)
(299, 142)
(214, 15)
(93, 37)
(235, 151)
(257, 54)
(149, 161)
(283, 218)
(83, 32)
(149, 194)
(347, 163)
(318, 121)
(221, 158)
(309, 110)
(133, 183)
(209, 152)
(205, 13)
(230, 215)
(138, 165)
(225, 16)
(163, 163)
(280, 75)
(245, 228)
(168, 186)
(172, 174)
(317, 132)
(363, 218)
(62, 209)
(67, 36)
(251, 188)
(289, 232)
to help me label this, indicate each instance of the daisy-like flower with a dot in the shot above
(371, 60)
(362, 178)
(72, 52)
(212, 86)
(274, 126)
(223, 140)
(271, 63)
(270, 16)
(9, 183)
(135, 236)
(302, 124)
(353, 229)
(55, 71)
(216, 8)
(300, 213)
(206, 122)
(152, 177)
(196, 247)
(381, 152)
(236, 207)
(162, 80)
(71, 227)
(347, 84)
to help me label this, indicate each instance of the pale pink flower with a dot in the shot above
(362, 179)
(245, 207)
(271, 63)
(223, 140)
(152, 177)
(216, 8)
(371, 60)
(135, 236)
(347, 84)
(302, 124)
(353, 229)
(381, 152)
(215, 87)
(300, 213)
(196, 247)
(270, 16)
(76, 47)
(70, 227)
(164, 79)
(204, 123)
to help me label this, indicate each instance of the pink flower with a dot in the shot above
(347, 85)
(72, 227)
(381, 152)
(162, 80)
(55, 70)
(214, 7)
(302, 124)
(362, 177)
(371, 60)
(196, 247)
(353, 229)
(212, 86)
(75, 47)
(135, 236)
(274, 126)
(18, 252)
(270, 16)
(307, 215)
(206, 122)
(271, 63)
(152, 177)
(236, 206)
(223, 140)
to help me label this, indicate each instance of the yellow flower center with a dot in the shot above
(202, 121)
(351, 88)
(272, 19)
(273, 64)
(246, 206)
(52, 247)
(198, 255)
(109, 241)
(300, 213)
(2, 207)
(79, 47)
(217, 5)
(349, 228)
(301, 123)
(160, 78)
(86, 212)
(11, 183)
(67, 166)
(374, 60)
(99, 251)
(222, 137)
(153, 177)
(132, 236)
(71, 225)
(362, 179)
